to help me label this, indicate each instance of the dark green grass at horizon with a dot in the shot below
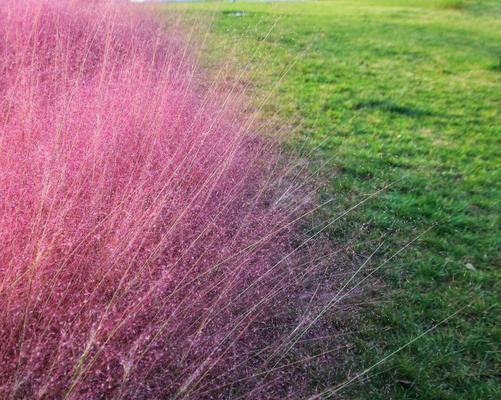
(405, 93)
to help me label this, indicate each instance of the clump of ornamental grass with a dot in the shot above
(148, 235)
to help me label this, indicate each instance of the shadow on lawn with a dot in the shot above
(388, 106)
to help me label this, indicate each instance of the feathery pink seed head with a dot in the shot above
(141, 223)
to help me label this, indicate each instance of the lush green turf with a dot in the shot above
(408, 93)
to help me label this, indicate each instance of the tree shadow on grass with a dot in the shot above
(390, 107)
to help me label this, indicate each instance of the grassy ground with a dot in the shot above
(408, 93)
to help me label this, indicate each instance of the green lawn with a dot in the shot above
(407, 93)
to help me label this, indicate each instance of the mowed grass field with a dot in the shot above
(405, 94)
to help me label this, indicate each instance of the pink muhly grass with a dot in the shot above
(145, 230)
